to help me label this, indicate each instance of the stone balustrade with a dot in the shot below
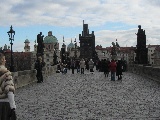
(152, 72)
(26, 77)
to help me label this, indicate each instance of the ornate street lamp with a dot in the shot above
(11, 34)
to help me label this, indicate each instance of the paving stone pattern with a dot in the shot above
(89, 97)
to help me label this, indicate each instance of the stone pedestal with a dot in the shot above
(114, 57)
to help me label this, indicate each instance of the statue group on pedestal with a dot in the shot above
(114, 49)
(40, 47)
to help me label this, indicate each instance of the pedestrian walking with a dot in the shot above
(68, 64)
(86, 63)
(72, 66)
(112, 67)
(64, 68)
(119, 69)
(82, 66)
(105, 67)
(58, 67)
(7, 90)
(100, 65)
(77, 66)
(91, 66)
(38, 66)
(97, 65)
(61, 67)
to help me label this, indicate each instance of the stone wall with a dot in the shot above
(26, 77)
(151, 72)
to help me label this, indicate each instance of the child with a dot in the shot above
(7, 103)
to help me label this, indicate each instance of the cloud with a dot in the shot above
(72, 12)
(126, 37)
(97, 13)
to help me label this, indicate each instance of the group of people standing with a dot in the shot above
(115, 68)
(106, 66)
(79, 65)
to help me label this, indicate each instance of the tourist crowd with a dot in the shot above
(114, 67)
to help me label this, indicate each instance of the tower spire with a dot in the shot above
(63, 38)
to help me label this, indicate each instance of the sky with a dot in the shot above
(109, 19)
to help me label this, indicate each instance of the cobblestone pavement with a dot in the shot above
(89, 97)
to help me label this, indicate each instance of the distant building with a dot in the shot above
(157, 56)
(103, 53)
(87, 43)
(27, 47)
(51, 44)
(71, 50)
(152, 53)
(124, 53)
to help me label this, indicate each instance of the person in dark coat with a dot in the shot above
(105, 67)
(38, 66)
(58, 67)
(100, 65)
(77, 66)
(72, 66)
(86, 64)
(119, 70)
(69, 64)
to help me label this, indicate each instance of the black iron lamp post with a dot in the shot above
(11, 34)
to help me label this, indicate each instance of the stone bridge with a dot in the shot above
(89, 97)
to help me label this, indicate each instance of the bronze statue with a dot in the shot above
(113, 52)
(40, 47)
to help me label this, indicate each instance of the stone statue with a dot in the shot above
(113, 44)
(5, 47)
(113, 52)
(40, 47)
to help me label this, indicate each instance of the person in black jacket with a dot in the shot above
(72, 66)
(105, 67)
(119, 70)
(38, 66)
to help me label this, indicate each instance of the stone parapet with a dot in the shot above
(151, 72)
(26, 77)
